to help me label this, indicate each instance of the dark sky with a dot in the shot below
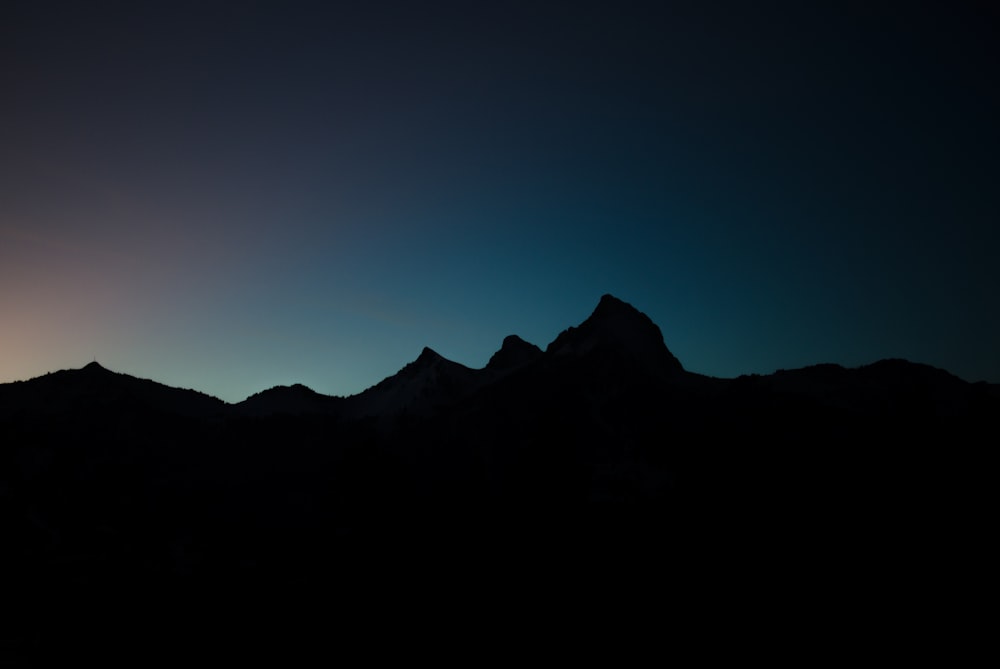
(229, 196)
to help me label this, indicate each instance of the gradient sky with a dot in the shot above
(230, 196)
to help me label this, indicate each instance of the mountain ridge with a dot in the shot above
(615, 330)
(600, 455)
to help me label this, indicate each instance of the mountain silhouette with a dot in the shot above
(598, 463)
(621, 328)
(93, 388)
(294, 399)
(514, 353)
(423, 385)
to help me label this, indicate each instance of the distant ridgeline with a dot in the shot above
(600, 455)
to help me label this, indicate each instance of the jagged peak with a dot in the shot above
(617, 323)
(429, 355)
(609, 301)
(513, 352)
(428, 359)
(610, 307)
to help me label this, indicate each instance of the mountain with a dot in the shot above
(94, 388)
(617, 328)
(421, 387)
(288, 400)
(616, 333)
(598, 467)
(514, 353)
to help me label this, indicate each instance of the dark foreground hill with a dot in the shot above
(586, 477)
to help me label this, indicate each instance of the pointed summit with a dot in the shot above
(513, 353)
(427, 356)
(618, 326)
(93, 367)
(610, 303)
(419, 387)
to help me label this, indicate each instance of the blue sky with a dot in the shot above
(230, 196)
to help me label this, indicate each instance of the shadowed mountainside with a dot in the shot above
(599, 458)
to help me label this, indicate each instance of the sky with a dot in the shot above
(232, 196)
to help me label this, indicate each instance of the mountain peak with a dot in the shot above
(617, 325)
(420, 386)
(609, 306)
(609, 299)
(513, 340)
(93, 367)
(513, 353)
(428, 355)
